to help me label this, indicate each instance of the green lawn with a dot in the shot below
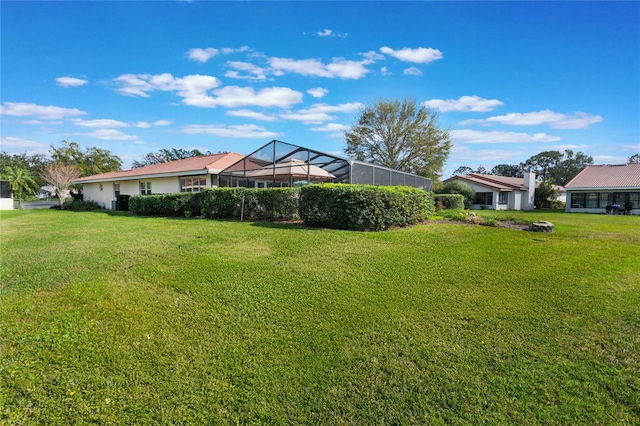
(113, 319)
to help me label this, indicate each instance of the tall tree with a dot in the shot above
(21, 182)
(508, 170)
(30, 162)
(166, 155)
(400, 135)
(634, 159)
(559, 167)
(463, 170)
(90, 162)
(61, 176)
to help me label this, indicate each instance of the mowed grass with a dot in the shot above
(114, 319)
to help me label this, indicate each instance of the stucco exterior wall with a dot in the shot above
(106, 195)
(6, 203)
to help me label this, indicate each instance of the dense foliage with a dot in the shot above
(458, 187)
(400, 135)
(91, 161)
(167, 155)
(449, 201)
(363, 207)
(272, 203)
(33, 163)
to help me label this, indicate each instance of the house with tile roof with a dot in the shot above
(599, 186)
(500, 192)
(186, 175)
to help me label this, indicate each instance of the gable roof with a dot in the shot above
(501, 183)
(607, 176)
(188, 166)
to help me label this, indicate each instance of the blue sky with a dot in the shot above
(509, 79)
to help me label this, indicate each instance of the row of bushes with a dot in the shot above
(273, 203)
(355, 207)
(363, 207)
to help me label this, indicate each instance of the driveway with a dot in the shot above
(37, 204)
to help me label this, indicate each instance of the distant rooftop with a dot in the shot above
(193, 165)
(607, 176)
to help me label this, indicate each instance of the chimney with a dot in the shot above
(530, 183)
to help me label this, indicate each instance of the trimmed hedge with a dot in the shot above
(449, 202)
(363, 207)
(272, 203)
(163, 204)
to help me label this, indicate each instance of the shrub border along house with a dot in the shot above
(340, 206)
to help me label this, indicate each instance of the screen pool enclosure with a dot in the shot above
(281, 164)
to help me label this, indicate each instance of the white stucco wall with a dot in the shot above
(6, 203)
(106, 196)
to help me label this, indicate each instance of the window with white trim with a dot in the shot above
(193, 183)
(145, 188)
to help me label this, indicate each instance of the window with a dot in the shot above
(193, 184)
(591, 200)
(634, 199)
(606, 199)
(484, 198)
(116, 190)
(503, 198)
(145, 188)
(578, 200)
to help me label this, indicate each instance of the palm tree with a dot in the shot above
(21, 182)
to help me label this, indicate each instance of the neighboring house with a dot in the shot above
(186, 175)
(500, 192)
(597, 187)
(6, 197)
(561, 193)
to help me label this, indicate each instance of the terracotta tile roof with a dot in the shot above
(206, 163)
(497, 182)
(607, 176)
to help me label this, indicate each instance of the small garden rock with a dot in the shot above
(541, 226)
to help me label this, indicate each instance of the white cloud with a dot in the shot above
(234, 96)
(71, 81)
(330, 33)
(461, 152)
(346, 107)
(202, 55)
(635, 147)
(476, 136)
(110, 135)
(464, 103)
(147, 125)
(331, 127)
(162, 123)
(250, 131)
(373, 56)
(318, 92)
(339, 68)
(412, 71)
(255, 72)
(22, 144)
(228, 50)
(421, 55)
(575, 120)
(50, 112)
(251, 114)
(609, 159)
(192, 88)
(319, 113)
(385, 71)
(103, 123)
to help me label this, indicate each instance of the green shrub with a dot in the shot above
(77, 205)
(363, 207)
(270, 203)
(163, 204)
(458, 187)
(449, 201)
